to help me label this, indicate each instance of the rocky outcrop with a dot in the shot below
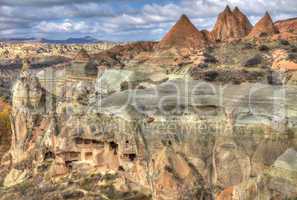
(28, 111)
(245, 24)
(118, 133)
(264, 27)
(118, 56)
(279, 181)
(288, 25)
(231, 25)
(183, 35)
(284, 61)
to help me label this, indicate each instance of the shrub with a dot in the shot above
(294, 49)
(210, 75)
(202, 65)
(247, 46)
(292, 56)
(4, 117)
(263, 48)
(284, 42)
(256, 60)
(124, 85)
(210, 59)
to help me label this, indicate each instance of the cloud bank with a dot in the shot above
(122, 20)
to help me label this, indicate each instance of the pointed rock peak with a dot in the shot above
(183, 34)
(184, 18)
(227, 9)
(267, 14)
(267, 17)
(236, 9)
(264, 27)
(231, 25)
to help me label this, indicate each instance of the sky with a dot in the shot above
(122, 20)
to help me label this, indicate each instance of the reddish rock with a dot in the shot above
(207, 35)
(183, 35)
(264, 27)
(288, 25)
(231, 25)
(245, 23)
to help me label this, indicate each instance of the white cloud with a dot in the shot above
(103, 19)
(65, 26)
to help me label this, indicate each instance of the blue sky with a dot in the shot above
(122, 20)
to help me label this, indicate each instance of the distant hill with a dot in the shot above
(80, 40)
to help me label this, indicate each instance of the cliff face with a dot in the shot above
(231, 25)
(205, 143)
(183, 35)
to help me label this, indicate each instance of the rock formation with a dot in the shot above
(147, 128)
(28, 108)
(125, 137)
(231, 25)
(244, 22)
(283, 62)
(288, 25)
(264, 27)
(280, 177)
(183, 35)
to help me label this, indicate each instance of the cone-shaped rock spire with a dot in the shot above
(264, 27)
(231, 25)
(183, 35)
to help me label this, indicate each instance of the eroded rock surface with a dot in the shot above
(215, 142)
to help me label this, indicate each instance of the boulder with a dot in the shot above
(251, 62)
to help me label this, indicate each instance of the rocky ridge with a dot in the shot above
(289, 25)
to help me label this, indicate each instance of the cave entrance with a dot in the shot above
(49, 155)
(114, 146)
